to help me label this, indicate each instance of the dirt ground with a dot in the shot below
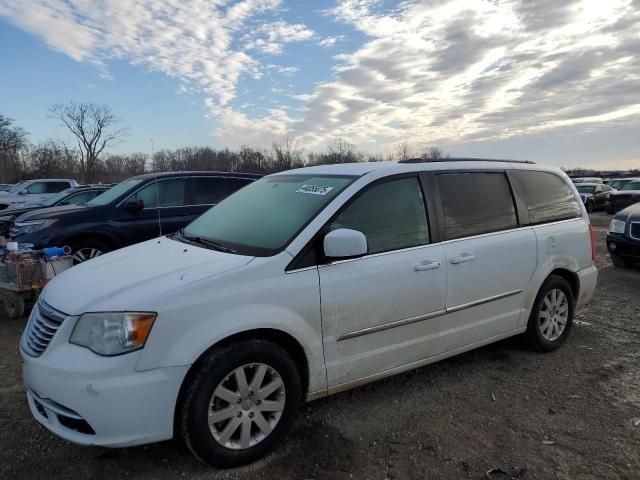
(571, 414)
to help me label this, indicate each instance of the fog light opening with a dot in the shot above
(612, 247)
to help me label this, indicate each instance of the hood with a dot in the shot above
(629, 214)
(137, 277)
(50, 212)
(626, 193)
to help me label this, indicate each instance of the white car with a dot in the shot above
(301, 285)
(30, 192)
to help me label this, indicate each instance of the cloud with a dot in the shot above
(331, 40)
(272, 37)
(192, 40)
(454, 71)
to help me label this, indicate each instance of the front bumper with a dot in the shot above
(621, 245)
(93, 400)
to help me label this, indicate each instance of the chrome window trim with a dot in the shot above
(445, 242)
(420, 318)
(174, 178)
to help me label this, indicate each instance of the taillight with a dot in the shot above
(593, 243)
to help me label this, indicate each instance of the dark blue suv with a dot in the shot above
(135, 210)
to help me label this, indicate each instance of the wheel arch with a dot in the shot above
(283, 339)
(107, 238)
(571, 278)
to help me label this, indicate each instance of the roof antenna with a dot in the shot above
(157, 193)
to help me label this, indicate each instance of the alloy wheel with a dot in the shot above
(554, 314)
(246, 406)
(84, 254)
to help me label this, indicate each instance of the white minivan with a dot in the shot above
(303, 284)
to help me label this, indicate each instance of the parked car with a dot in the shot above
(5, 186)
(593, 195)
(586, 180)
(627, 195)
(303, 284)
(70, 196)
(617, 184)
(135, 210)
(623, 237)
(33, 191)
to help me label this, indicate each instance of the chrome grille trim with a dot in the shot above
(43, 324)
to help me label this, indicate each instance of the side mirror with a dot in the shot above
(345, 243)
(64, 203)
(134, 205)
(22, 192)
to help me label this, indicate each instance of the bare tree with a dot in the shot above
(433, 153)
(94, 129)
(11, 138)
(403, 151)
(287, 154)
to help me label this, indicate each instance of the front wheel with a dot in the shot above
(87, 249)
(552, 315)
(240, 402)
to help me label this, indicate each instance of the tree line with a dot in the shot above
(94, 129)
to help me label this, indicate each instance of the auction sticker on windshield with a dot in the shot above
(314, 189)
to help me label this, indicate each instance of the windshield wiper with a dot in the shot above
(206, 242)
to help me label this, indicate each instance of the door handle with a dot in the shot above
(427, 265)
(462, 258)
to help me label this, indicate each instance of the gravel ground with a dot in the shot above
(570, 414)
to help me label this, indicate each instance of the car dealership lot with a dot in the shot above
(569, 414)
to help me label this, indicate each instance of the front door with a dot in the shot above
(383, 310)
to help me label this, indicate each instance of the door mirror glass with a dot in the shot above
(134, 205)
(345, 243)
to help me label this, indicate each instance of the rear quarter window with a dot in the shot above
(549, 198)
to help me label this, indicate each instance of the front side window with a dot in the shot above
(548, 197)
(391, 215)
(37, 188)
(475, 203)
(588, 189)
(263, 217)
(170, 193)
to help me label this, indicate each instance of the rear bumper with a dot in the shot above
(620, 245)
(588, 278)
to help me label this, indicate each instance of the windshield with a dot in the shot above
(631, 186)
(263, 217)
(586, 188)
(16, 187)
(52, 200)
(113, 193)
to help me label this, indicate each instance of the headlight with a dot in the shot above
(617, 226)
(33, 225)
(112, 333)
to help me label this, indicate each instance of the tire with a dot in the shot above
(542, 336)
(590, 207)
(200, 402)
(619, 262)
(88, 248)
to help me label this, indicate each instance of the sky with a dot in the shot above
(553, 81)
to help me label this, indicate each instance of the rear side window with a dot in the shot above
(475, 203)
(209, 191)
(55, 187)
(391, 215)
(548, 197)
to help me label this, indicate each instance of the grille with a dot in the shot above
(43, 325)
(635, 231)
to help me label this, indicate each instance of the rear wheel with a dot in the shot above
(552, 315)
(86, 249)
(241, 401)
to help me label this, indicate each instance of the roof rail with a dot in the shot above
(430, 160)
